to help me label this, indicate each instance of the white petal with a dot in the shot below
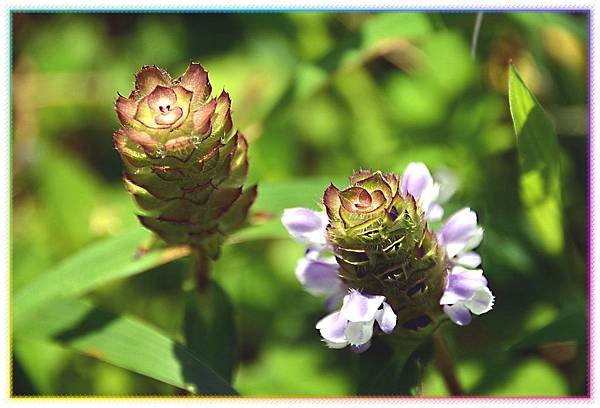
(481, 302)
(450, 298)
(386, 318)
(358, 333)
(475, 240)
(332, 327)
(428, 196)
(454, 248)
(334, 345)
(468, 259)
(360, 308)
(458, 313)
(434, 213)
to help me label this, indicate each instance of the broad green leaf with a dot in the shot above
(392, 371)
(539, 153)
(124, 342)
(209, 329)
(95, 265)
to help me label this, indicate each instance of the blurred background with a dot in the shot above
(318, 95)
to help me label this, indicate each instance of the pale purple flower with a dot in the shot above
(466, 292)
(307, 227)
(459, 235)
(353, 323)
(417, 181)
(317, 274)
(466, 289)
(320, 277)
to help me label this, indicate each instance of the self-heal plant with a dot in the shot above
(184, 163)
(388, 265)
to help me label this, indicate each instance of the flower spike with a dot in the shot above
(184, 164)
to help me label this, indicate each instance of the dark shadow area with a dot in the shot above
(93, 321)
(21, 385)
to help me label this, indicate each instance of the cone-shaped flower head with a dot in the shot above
(184, 164)
(383, 245)
(390, 273)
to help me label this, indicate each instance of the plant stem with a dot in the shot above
(201, 269)
(475, 36)
(445, 364)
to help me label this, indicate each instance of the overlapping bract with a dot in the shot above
(387, 260)
(184, 163)
(383, 246)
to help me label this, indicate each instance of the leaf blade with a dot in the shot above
(94, 265)
(540, 186)
(125, 342)
(209, 329)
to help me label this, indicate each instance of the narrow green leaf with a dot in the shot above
(95, 265)
(124, 342)
(540, 163)
(209, 329)
(115, 258)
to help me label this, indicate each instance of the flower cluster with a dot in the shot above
(184, 163)
(387, 265)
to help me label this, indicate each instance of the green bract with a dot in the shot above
(384, 247)
(184, 164)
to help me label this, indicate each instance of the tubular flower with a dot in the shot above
(389, 264)
(466, 290)
(184, 164)
(353, 323)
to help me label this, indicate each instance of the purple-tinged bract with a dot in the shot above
(184, 163)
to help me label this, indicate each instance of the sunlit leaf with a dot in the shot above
(124, 342)
(99, 263)
(539, 153)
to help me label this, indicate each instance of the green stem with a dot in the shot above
(445, 364)
(201, 269)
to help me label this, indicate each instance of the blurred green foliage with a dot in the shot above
(318, 95)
